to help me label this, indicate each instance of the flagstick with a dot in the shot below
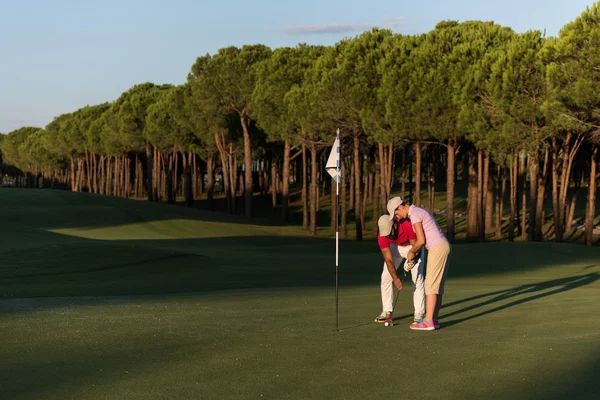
(337, 225)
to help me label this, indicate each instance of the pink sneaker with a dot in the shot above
(436, 324)
(423, 326)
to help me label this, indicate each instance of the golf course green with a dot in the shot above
(108, 298)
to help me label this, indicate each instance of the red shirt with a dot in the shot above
(405, 235)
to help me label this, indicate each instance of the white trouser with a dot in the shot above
(399, 253)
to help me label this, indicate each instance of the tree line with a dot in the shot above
(517, 114)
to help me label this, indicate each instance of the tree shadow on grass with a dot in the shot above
(532, 292)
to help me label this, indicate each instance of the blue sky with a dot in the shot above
(59, 55)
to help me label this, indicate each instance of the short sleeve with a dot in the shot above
(416, 215)
(383, 242)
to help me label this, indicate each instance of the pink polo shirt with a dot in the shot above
(433, 233)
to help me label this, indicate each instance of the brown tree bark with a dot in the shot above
(417, 195)
(500, 178)
(285, 181)
(561, 173)
(472, 198)
(233, 178)
(590, 213)
(488, 194)
(210, 180)
(304, 187)
(357, 188)
(313, 188)
(533, 195)
(541, 197)
(450, 175)
(221, 146)
(248, 166)
(274, 182)
(480, 197)
(149, 168)
(523, 181)
(88, 161)
(376, 195)
(404, 173)
(352, 184)
(513, 196)
(73, 181)
(109, 176)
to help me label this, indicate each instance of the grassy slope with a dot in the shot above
(110, 298)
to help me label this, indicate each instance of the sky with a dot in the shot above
(57, 56)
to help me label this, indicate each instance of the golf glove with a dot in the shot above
(408, 265)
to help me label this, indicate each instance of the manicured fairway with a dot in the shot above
(105, 298)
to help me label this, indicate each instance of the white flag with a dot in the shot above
(333, 166)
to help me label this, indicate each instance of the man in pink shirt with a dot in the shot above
(429, 235)
(395, 239)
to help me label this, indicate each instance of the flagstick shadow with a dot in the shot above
(557, 286)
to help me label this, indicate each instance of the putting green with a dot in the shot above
(106, 298)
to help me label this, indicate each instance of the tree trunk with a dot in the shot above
(175, 174)
(248, 167)
(102, 183)
(127, 172)
(233, 177)
(571, 211)
(274, 182)
(417, 199)
(541, 198)
(344, 210)
(136, 178)
(382, 181)
(357, 191)
(89, 170)
(376, 195)
(220, 141)
(556, 215)
(210, 180)
(499, 192)
(117, 179)
(472, 198)
(430, 189)
(590, 214)
(533, 195)
(109, 176)
(480, 197)
(285, 175)
(168, 166)
(386, 160)
(488, 194)
(73, 181)
(352, 184)
(450, 174)
(513, 196)
(149, 168)
(404, 173)
(304, 188)
(523, 181)
(313, 188)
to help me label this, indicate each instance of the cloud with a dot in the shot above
(386, 23)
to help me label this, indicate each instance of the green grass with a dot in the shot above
(105, 298)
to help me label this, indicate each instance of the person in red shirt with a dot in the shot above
(395, 239)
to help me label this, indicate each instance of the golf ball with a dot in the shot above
(387, 324)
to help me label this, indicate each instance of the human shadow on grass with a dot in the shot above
(533, 291)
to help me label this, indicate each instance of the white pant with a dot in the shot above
(399, 254)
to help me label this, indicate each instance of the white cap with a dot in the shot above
(385, 224)
(392, 205)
